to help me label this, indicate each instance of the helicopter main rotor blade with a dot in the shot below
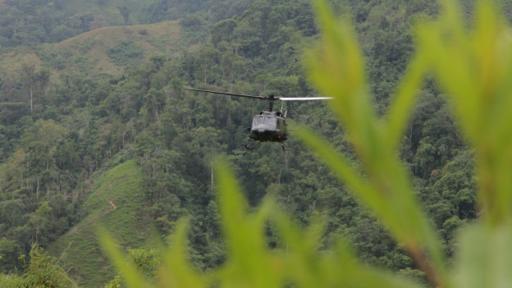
(303, 98)
(12, 103)
(228, 93)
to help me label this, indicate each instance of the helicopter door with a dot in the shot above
(281, 125)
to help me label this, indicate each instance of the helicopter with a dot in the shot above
(268, 125)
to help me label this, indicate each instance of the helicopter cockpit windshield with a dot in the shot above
(265, 122)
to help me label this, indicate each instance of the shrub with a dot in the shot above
(126, 53)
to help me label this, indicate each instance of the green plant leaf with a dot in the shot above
(484, 257)
(308, 266)
(397, 209)
(474, 69)
(248, 261)
(336, 68)
(124, 265)
(177, 270)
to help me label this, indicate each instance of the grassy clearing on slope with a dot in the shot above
(116, 204)
(88, 53)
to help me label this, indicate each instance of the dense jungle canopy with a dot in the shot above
(96, 128)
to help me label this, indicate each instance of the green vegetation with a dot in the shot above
(295, 259)
(43, 271)
(99, 102)
(147, 262)
(125, 53)
(31, 22)
(477, 85)
(99, 53)
(114, 203)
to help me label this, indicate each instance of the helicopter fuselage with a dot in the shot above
(269, 126)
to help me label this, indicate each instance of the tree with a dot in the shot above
(43, 271)
(125, 12)
(34, 80)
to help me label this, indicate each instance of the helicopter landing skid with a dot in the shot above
(248, 147)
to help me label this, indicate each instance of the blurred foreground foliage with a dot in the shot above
(472, 65)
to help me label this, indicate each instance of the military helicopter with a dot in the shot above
(268, 125)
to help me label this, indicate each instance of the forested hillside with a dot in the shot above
(30, 22)
(96, 128)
